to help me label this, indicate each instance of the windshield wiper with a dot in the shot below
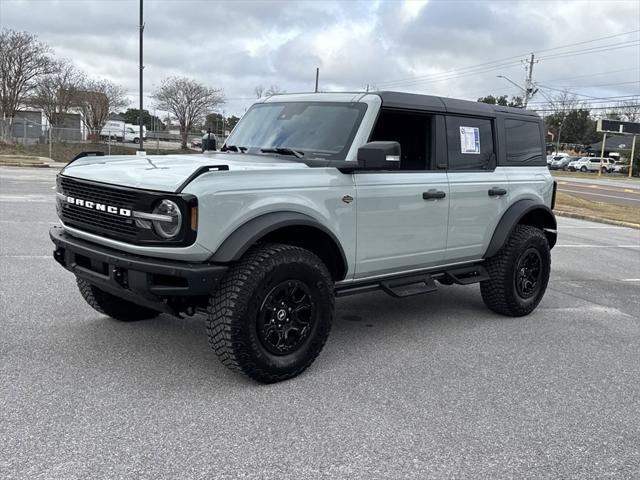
(283, 151)
(233, 148)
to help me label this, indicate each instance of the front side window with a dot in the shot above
(315, 130)
(412, 131)
(470, 143)
(524, 145)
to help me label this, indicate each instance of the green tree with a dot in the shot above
(232, 121)
(215, 122)
(131, 116)
(573, 126)
(502, 100)
(219, 124)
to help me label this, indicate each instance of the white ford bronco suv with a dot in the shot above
(314, 196)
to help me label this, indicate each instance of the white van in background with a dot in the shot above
(122, 132)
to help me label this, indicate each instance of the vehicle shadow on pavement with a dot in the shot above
(172, 347)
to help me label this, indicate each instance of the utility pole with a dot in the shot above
(528, 84)
(140, 121)
(604, 141)
(633, 152)
(317, 76)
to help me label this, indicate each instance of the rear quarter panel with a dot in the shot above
(533, 183)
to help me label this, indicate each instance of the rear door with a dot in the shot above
(479, 193)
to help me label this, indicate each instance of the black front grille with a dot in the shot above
(96, 221)
(98, 193)
(115, 225)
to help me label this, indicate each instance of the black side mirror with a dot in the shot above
(379, 156)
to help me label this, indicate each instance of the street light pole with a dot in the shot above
(525, 91)
(140, 120)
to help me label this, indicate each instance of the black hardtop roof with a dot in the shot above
(414, 101)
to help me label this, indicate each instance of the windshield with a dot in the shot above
(313, 130)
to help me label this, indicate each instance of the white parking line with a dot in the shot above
(630, 280)
(30, 222)
(599, 246)
(603, 227)
(27, 199)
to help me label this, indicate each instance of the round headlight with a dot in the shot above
(169, 226)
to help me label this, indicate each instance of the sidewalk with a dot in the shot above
(28, 161)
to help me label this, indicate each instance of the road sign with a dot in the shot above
(619, 127)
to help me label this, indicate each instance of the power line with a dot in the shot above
(616, 98)
(590, 41)
(608, 72)
(586, 51)
(601, 85)
(443, 77)
(412, 80)
(610, 107)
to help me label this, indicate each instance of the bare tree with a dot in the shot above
(96, 99)
(57, 91)
(630, 110)
(23, 60)
(188, 101)
(260, 91)
(564, 102)
(273, 90)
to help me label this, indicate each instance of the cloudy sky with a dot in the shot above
(452, 48)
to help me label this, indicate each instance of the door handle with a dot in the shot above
(497, 192)
(433, 194)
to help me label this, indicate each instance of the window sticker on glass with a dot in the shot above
(470, 140)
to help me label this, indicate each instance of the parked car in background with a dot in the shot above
(554, 156)
(196, 143)
(561, 163)
(591, 164)
(620, 167)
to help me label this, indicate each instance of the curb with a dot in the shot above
(596, 219)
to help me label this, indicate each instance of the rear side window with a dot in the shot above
(470, 143)
(524, 146)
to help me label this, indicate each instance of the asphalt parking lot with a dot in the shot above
(434, 386)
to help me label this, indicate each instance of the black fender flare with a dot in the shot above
(245, 236)
(545, 220)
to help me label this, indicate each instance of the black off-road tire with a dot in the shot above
(239, 301)
(112, 306)
(500, 293)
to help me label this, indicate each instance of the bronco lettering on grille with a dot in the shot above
(101, 207)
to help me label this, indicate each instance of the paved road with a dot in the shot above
(620, 192)
(434, 386)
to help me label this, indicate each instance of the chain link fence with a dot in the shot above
(59, 143)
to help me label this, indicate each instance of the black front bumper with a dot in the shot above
(164, 285)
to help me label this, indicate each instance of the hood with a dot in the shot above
(167, 173)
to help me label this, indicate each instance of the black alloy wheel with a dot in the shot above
(286, 317)
(527, 273)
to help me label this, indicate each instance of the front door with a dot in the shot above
(402, 215)
(402, 224)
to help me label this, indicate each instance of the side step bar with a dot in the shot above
(407, 287)
(416, 284)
